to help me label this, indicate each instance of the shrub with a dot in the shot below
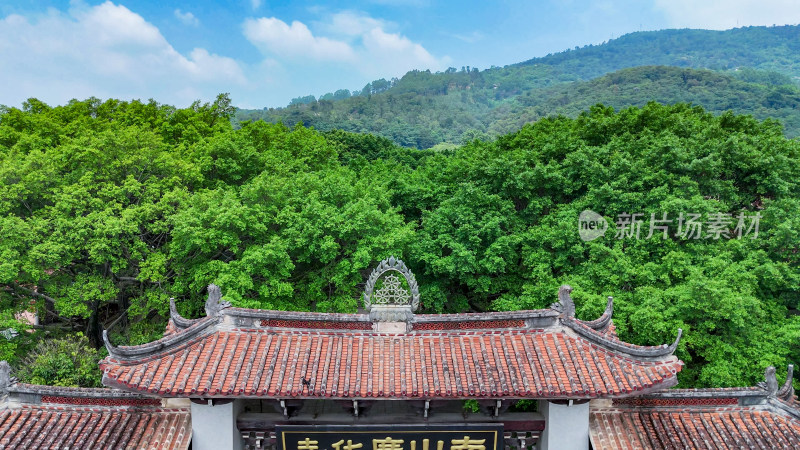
(65, 361)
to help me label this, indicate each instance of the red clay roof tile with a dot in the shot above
(698, 427)
(752, 417)
(78, 426)
(273, 362)
(236, 352)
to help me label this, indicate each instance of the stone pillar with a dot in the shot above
(214, 427)
(566, 426)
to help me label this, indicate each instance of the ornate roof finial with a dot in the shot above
(6, 380)
(593, 330)
(391, 302)
(674, 346)
(602, 322)
(214, 303)
(173, 310)
(770, 383)
(177, 320)
(786, 392)
(565, 304)
(109, 346)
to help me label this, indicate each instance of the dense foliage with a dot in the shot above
(108, 209)
(64, 361)
(757, 74)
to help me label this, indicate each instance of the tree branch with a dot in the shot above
(49, 299)
(136, 280)
(33, 293)
(128, 279)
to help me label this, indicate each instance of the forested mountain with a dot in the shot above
(108, 209)
(766, 48)
(714, 91)
(756, 72)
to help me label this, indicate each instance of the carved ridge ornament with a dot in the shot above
(392, 293)
(391, 302)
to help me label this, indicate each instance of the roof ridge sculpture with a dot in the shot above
(565, 305)
(214, 307)
(650, 352)
(590, 330)
(770, 384)
(780, 398)
(127, 352)
(214, 302)
(391, 303)
(602, 322)
(6, 380)
(786, 392)
(179, 321)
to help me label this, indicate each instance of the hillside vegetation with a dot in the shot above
(765, 48)
(716, 92)
(108, 209)
(756, 71)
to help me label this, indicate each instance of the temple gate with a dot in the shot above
(388, 378)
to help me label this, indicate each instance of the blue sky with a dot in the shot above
(266, 52)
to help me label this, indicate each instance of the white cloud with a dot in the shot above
(116, 25)
(723, 14)
(395, 53)
(105, 51)
(255, 4)
(352, 37)
(294, 41)
(469, 38)
(352, 23)
(109, 51)
(187, 18)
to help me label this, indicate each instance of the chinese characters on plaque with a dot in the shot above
(390, 437)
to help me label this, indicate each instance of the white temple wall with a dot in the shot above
(214, 427)
(566, 426)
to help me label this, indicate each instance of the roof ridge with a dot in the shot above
(602, 322)
(91, 408)
(642, 351)
(179, 321)
(75, 392)
(173, 339)
(559, 314)
(767, 393)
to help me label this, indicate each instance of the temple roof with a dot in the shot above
(764, 416)
(33, 416)
(234, 352)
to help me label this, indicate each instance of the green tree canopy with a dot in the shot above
(108, 209)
